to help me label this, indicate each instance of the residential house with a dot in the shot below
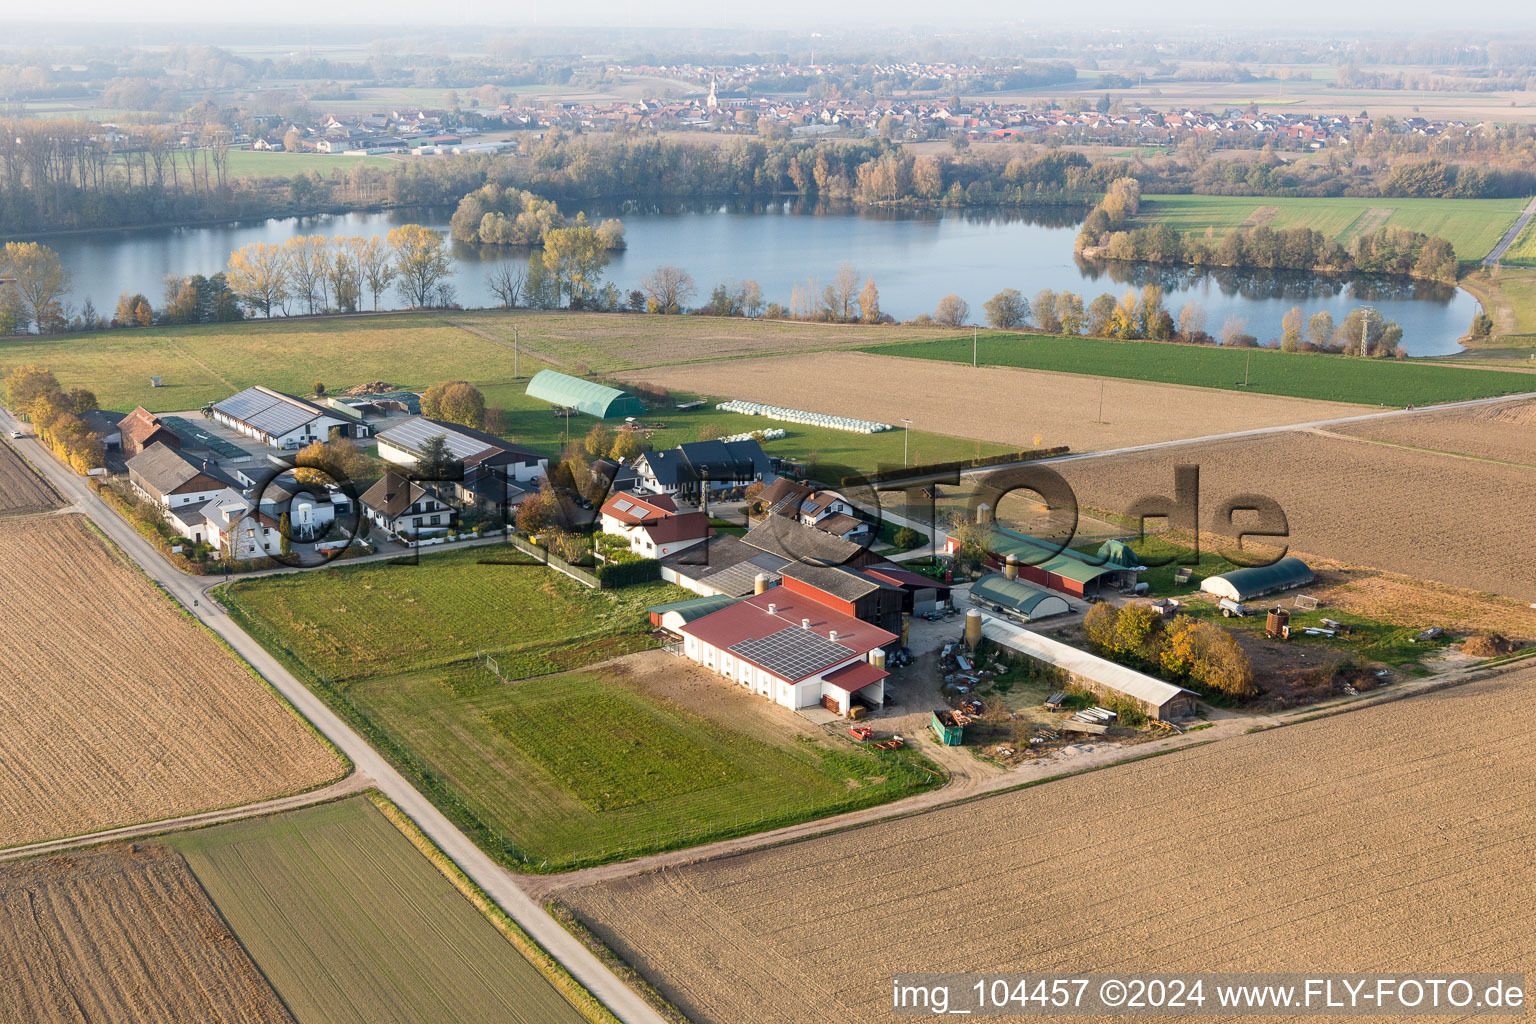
(141, 428)
(690, 470)
(488, 472)
(652, 524)
(397, 505)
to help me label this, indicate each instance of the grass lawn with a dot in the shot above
(567, 770)
(1522, 251)
(350, 923)
(355, 621)
(1472, 226)
(1298, 375)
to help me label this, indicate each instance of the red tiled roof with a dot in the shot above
(656, 506)
(751, 620)
(686, 526)
(853, 678)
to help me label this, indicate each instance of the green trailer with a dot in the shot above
(946, 728)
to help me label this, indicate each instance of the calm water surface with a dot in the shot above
(916, 258)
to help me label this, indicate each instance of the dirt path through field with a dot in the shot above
(354, 783)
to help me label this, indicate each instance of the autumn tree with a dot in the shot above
(455, 401)
(576, 259)
(668, 289)
(421, 263)
(306, 259)
(1044, 309)
(1069, 312)
(840, 297)
(1320, 329)
(1191, 320)
(626, 446)
(952, 311)
(258, 275)
(36, 286)
(1291, 326)
(869, 302)
(599, 440)
(1208, 656)
(133, 311)
(376, 265)
(1008, 310)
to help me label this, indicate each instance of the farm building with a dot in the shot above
(142, 428)
(795, 542)
(846, 590)
(671, 618)
(1017, 599)
(1246, 584)
(584, 396)
(168, 478)
(1156, 698)
(280, 420)
(793, 650)
(920, 595)
(652, 524)
(496, 474)
(1054, 567)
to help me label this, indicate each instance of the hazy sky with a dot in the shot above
(1296, 15)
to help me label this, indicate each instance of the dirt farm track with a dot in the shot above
(94, 937)
(1388, 839)
(116, 708)
(998, 404)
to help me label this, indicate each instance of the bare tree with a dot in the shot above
(842, 294)
(668, 288)
(953, 311)
(1191, 319)
(377, 263)
(750, 298)
(506, 283)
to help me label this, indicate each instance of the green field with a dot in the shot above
(352, 925)
(567, 770)
(355, 621)
(1522, 251)
(1472, 226)
(246, 163)
(1298, 375)
(416, 350)
(551, 771)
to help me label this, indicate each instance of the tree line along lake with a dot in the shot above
(916, 257)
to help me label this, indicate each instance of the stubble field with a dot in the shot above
(1505, 432)
(1346, 844)
(996, 404)
(21, 489)
(1458, 521)
(116, 708)
(123, 934)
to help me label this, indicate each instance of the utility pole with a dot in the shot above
(906, 436)
(1246, 364)
(973, 348)
(516, 372)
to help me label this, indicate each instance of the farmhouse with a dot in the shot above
(652, 524)
(691, 469)
(585, 396)
(795, 542)
(826, 510)
(792, 649)
(170, 479)
(1016, 599)
(1246, 584)
(205, 506)
(280, 420)
(397, 505)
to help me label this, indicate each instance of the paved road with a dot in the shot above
(497, 881)
(1509, 237)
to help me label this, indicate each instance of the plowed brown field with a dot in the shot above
(116, 708)
(1506, 431)
(22, 490)
(997, 404)
(1395, 838)
(122, 937)
(1458, 521)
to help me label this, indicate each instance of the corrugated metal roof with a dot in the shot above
(1264, 579)
(1016, 595)
(586, 396)
(695, 608)
(1081, 663)
(1043, 555)
(269, 411)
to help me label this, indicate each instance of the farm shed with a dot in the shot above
(1041, 562)
(920, 595)
(673, 617)
(586, 396)
(1017, 599)
(1245, 584)
(1158, 699)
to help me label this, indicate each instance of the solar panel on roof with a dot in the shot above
(641, 513)
(792, 653)
(414, 434)
(623, 505)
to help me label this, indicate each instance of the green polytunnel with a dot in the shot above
(584, 396)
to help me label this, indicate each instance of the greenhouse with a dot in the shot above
(584, 396)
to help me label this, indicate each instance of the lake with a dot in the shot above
(915, 257)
